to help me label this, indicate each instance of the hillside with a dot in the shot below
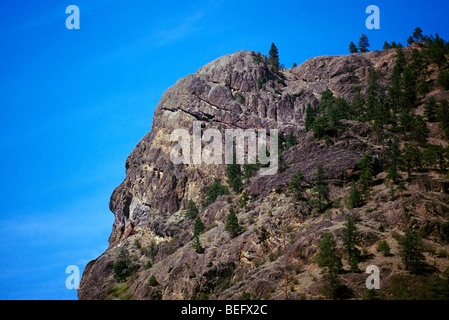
(330, 110)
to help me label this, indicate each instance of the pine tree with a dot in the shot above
(353, 48)
(211, 193)
(376, 107)
(430, 109)
(191, 210)
(386, 46)
(196, 244)
(273, 57)
(411, 251)
(199, 226)
(395, 89)
(411, 158)
(443, 116)
(436, 50)
(363, 43)
(330, 261)
(295, 186)
(358, 106)
(351, 239)
(355, 198)
(406, 120)
(310, 117)
(321, 189)
(321, 127)
(327, 100)
(418, 35)
(419, 131)
(234, 174)
(232, 224)
(366, 172)
(395, 156)
(410, 88)
(328, 254)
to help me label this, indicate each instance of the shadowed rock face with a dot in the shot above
(231, 92)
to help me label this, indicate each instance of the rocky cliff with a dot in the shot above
(273, 256)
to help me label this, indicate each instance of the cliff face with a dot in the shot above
(234, 91)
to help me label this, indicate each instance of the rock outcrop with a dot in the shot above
(234, 92)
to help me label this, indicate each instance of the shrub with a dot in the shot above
(383, 247)
(212, 192)
(124, 267)
(245, 296)
(153, 282)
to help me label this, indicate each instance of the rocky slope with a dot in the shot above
(235, 91)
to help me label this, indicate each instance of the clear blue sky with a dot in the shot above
(74, 103)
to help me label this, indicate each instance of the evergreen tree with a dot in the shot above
(401, 61)
(232, 224)
(295, 186)
(363, 43)
(430, 109)
(419, 131)
(395, 89)
(376, 107)
(395, 156)
(386, 46)
(443, 115)
(406, 120)
(366, 172)
(418, 65)
(434, 157)
(443, 79)
(411, 158)
(196, 244)
(250, 169)
(321, 189)
(437, 50)
(199, 226)
(351, 239)
(321, 127)
(353, 48)
(355, 198)
(234, 176)
(124, 266)
(212, 192)
(328, 254)
(330, 261)
(191, 210)
(273, 57)
(327, 100)
(357, 106)
(410, 88)
(418, 35)
(411, 251)
(152, 281)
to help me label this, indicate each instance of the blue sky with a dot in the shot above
(74, 103)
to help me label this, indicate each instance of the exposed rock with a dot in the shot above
(226, 94)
